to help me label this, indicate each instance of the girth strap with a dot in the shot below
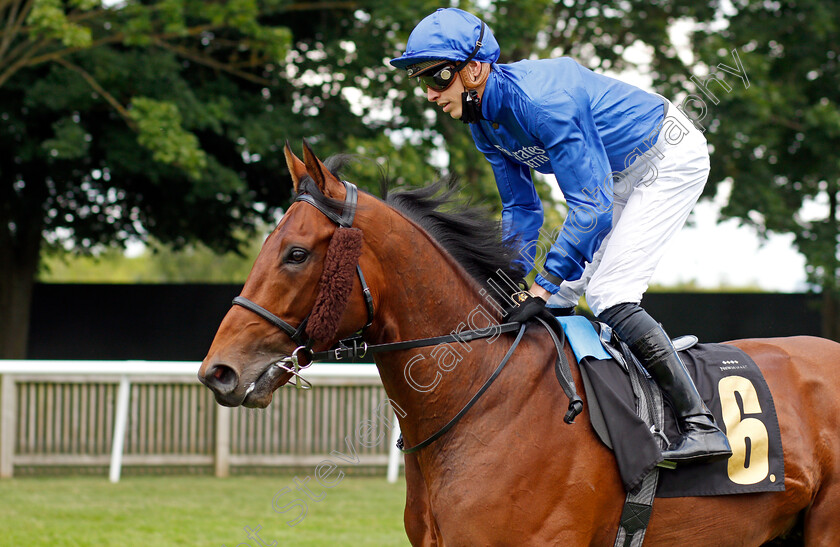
(638, 505)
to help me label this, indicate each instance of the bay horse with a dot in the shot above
(511, 472)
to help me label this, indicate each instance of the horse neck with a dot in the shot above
(422, 287)
(427, 294)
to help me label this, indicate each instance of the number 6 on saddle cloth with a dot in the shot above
(719, 371)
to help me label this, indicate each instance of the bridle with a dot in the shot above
(355, 348)
(342, 220)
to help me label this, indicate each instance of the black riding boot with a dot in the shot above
(701, 439)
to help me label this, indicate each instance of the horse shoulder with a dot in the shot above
(524, 468)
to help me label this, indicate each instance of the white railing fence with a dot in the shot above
(155, 413)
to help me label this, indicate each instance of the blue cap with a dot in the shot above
(450, 34)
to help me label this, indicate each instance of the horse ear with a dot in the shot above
(320, 174)
(296, 167)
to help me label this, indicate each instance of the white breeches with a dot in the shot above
(652, 200)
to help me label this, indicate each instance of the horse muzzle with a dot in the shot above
(223, 381)
(229, 389)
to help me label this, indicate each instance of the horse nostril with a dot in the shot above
(221, 379)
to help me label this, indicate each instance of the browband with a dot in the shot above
(345, 220)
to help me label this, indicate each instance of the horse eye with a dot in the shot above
(296, 256)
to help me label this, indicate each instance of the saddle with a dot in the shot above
(730, 383)
(630, 416)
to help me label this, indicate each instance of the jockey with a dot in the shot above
(630, 165)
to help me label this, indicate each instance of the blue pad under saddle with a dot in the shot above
(583, 338)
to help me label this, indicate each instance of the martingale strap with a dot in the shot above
(475, 398)
(562, 368)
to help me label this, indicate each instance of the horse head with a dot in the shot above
(303, 292)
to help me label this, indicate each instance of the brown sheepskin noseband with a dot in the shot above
(336, 283)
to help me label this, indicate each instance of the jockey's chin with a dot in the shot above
(455, 112)
(453, 109)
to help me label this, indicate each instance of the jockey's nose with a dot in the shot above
(432, 95)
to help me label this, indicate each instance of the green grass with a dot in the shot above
(185, 510)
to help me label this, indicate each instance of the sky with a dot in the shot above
(724, 254)
(714, 254)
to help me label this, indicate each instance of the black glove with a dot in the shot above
(529, 306)
(562, 312)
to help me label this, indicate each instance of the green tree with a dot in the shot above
(122, 122)
(775, 137)
(164, 118)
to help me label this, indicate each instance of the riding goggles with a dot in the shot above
(437, 78)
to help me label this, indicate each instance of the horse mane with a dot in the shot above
(468, 232)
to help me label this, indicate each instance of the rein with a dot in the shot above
(343, 351)
(471, 402)
(359, 351)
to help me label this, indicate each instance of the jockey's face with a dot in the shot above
(449, 99)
